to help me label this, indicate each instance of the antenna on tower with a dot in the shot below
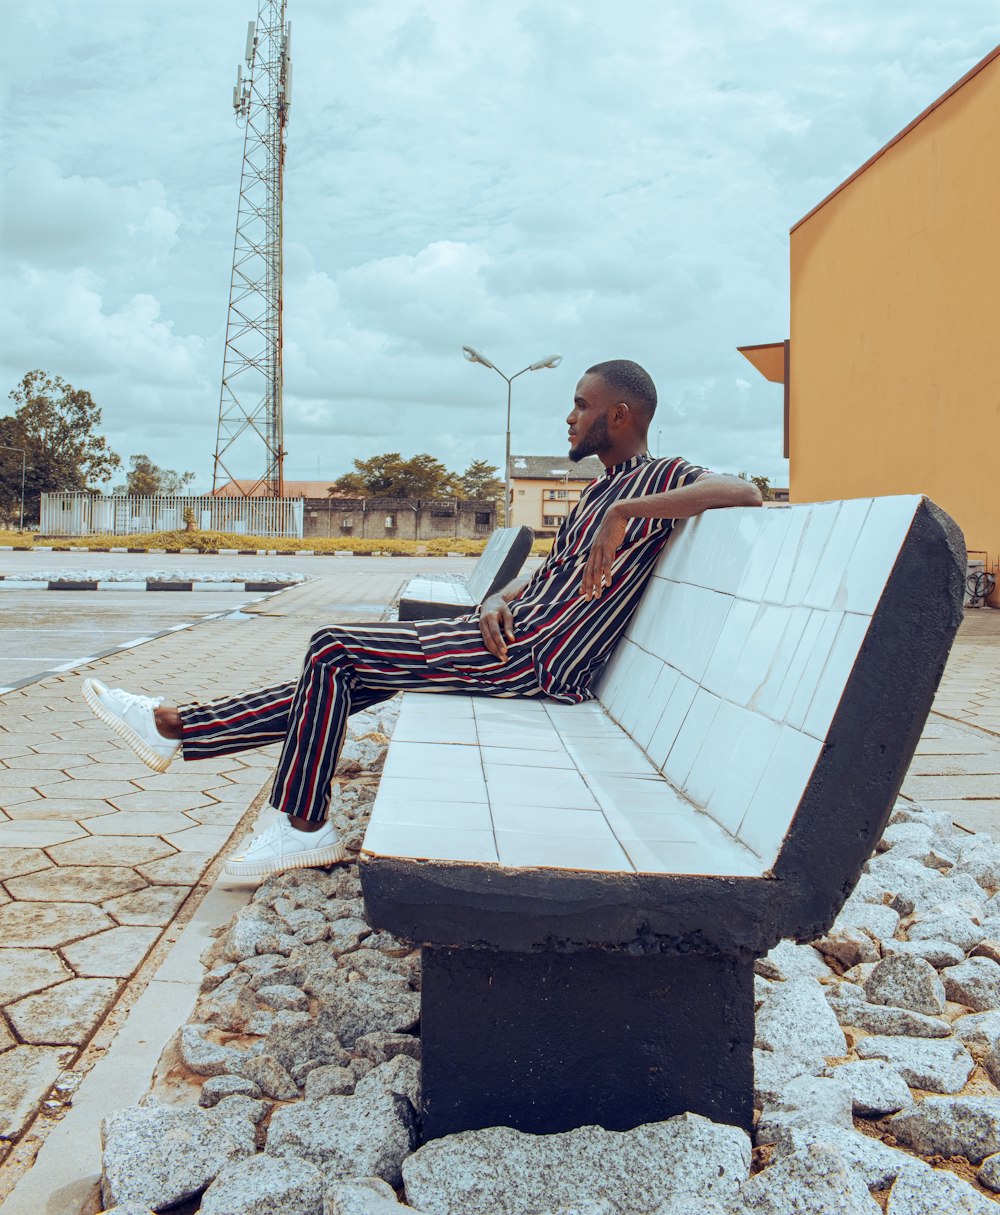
(250, 403)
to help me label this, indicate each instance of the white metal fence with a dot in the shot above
(83, 514)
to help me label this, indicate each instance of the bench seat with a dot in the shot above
(428, 598)
(537, 784)
(637, 853)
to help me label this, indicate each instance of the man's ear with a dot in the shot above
(620, 413)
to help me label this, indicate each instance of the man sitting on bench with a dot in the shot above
(549, 635)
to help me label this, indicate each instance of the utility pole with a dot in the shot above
(250, 408)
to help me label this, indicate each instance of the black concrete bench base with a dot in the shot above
(546, 1042)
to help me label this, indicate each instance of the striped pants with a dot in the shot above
(347, 668)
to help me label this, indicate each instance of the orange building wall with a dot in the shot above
(895, 322)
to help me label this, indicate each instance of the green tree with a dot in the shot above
(480, 480)
(57, 425)
(762, 483)
(390, 476)
(145, 479)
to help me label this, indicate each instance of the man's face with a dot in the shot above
(588, 420)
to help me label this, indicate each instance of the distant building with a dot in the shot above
(399, 518)
(248, 486)
(544, 489)
(890, 372)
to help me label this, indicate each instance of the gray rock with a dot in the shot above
(974, 983)
(212, 978)
(812, 1181)
(796, 1019)
(206, 1057)
(246, 933)
(265, 1185)
(949, 923)
(164, 1155)
(329, 1081)
(849, 946)
(761, 990)
(934, 1064)
(876, 919)
(239, 1106)
(399, 1077)
(347, 1136)
(852, 1009)
(939, 821)
(218, 1087)
(773, 1073)
(684, 1205)
(282, 996)
(951, 1126)
(906, 982)
(807, 1100)
(380, 1046)
(362, 1196)
(129, 1208)
(980, 859)
(986, 948)
(978, 1032)
(909, 884)
(935, 1191)
(989, 1173)
(351, 1010)
(991, 1062)
(270, 1077)
(790, 961)
(500, 1171)
(296, 1037)
(938, 953)
(877, 1164)
(876, 1088)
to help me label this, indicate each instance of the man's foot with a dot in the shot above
(131, 718)
(281, 847)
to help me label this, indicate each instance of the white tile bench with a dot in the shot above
(429, 598)
(592, 883)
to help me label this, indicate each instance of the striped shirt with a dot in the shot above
(568, 637)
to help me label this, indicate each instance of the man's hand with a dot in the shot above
(496, 625)
(597, 574)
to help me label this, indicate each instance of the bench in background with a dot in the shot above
(427, 598)
(593, 883)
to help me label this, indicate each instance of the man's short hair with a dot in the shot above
(633, 382)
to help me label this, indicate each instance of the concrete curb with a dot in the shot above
(72, 584)
(217, 552)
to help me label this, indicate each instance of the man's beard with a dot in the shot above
(594, 442)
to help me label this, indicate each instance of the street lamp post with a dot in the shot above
(4, 447)
(476, 356)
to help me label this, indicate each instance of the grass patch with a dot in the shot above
(209, 541)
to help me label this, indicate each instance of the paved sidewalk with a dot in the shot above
(98, 854)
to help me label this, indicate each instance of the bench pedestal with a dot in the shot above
(547, 1042)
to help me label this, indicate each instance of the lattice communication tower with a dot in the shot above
(250, 408)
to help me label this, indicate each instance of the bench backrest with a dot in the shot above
(734, 672)
(500, 562)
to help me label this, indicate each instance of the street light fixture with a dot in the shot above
(477, 356)
(4, 447)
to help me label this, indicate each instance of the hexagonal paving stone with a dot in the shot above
(118, 771)
(10, 747)
(59, 808)
(21, 777)
(7, 1039)
(181, 868)
(50, 924)
(24, 971)
(77, 884)
(110, 849)
(29, 834)
(116, 755)
(26, 1075)
(163, 799)
(16, 861)
(31, 762)
(15, 795)
(222, 814)
(115, 953)
(87, 790)
(121, 823)
(200, 839)
(184, 781)
(154, 905)
(66, 1014)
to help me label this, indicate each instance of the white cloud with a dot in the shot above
(539, 176)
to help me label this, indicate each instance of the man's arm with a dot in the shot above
(495, 620)
(707, 493)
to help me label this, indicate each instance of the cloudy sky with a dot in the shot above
(529, 177)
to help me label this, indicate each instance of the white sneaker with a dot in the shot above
(131, 718)
(282, 847)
